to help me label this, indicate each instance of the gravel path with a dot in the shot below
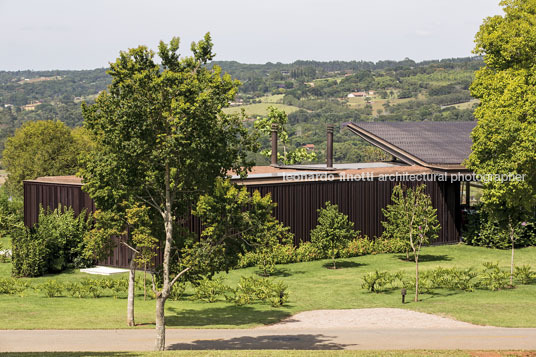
(378, 318)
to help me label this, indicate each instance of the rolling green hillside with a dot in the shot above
(312, 94)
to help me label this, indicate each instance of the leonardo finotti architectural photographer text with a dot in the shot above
(403, 176)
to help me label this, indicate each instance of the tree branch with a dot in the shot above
(178, 276)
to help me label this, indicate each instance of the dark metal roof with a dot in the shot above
(431, 143)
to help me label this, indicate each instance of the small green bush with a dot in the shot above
(209, 290)
(378, 281)
(524, 274)
(52, 245)
(308, 252)
(12, 286)
(253, 289)
(52, 288)
(493, 278)
(177, 291)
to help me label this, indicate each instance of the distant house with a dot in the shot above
(357, 95)
(309, 147)
(31, 106)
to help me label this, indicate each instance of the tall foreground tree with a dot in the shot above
(504, 140)
(162, 140)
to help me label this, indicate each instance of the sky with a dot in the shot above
(74, 34)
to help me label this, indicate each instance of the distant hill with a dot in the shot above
(313, 93)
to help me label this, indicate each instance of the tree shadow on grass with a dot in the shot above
(343, 264)
(264, 342)
(423, 258)
(227, 315)
(281, 273)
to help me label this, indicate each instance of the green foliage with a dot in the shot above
(308, 252)
(252, 289)
(142, 239)
(11, 215)
(411, 217)
(492, 277)
(97, 243)
(209, 290)
(484, 230)
(177, 291)
(41, 148)
(280, 119)
(13, 286)
(449, 278)
(524, 274)
(51, 288)
(378, 281)
(231, 211)
(333, 230)
(52, 245)
(503, 140)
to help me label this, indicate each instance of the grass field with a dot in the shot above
(376, 103)
(290, 353)
(260, 109)
(311, 286)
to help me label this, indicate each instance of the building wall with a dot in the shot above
(297, 205)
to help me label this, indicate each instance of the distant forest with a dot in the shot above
(312, 93)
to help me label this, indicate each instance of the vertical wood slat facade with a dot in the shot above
(297, 205)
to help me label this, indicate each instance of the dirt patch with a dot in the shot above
(377, 318)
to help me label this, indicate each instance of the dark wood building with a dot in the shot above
(361, 190)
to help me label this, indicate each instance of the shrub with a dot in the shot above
(209, 290)
(333, 230)
(493, 278)
(357, 247)
(308, 252)
(52, 288)
(480, 230)
(52, 245)
(177, 291)
(379, 280)
(13, 286)
(393, 245)
(253, 289)
(524, 274)
(88, 288)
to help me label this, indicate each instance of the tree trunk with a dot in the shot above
(131, 291)
(416, 278)
(144, 281)
(512, 239)
(162, 295)
(160, 324)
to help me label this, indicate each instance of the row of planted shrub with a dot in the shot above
(249, 290)
(307, 251)
(490, 277)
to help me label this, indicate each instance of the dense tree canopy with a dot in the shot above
(42, 148)
(504, 141)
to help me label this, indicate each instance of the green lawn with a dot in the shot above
(311, 286)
